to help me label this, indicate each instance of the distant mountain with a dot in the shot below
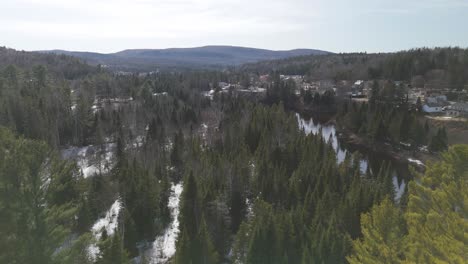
(200, 57)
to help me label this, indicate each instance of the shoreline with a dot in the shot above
(416, 159)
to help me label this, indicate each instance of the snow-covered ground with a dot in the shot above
(113, 103)
(249, 204)
(209, 93)
(253, 90)
(399, 188)
(164, 247)
(138, 142)
(109, 223)
(87, 158)
(203, 131)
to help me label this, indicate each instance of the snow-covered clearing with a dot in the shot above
(88, 158)
(164, 247)
(109, 223)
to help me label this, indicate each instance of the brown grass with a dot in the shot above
(457, 128)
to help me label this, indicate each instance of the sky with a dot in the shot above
(334, 25)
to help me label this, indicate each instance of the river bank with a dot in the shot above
(416, 158)
(327, 116)
(369, 161)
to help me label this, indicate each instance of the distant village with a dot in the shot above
(441, 102)
(437, 102)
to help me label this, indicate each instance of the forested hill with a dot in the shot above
(61, 66)
(447, 66)
(184, 58)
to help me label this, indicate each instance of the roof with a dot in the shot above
(434, 104)
(459, 105)
(431, 109)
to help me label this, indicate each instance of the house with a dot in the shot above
(264, 78)
(458, 109)
(358, 84)
(432, 108)
(436, 99)
(414, 94)
(222, 84)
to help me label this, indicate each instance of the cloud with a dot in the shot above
(110, 25)
(142, 19)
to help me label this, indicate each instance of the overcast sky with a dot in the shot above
(333, 25)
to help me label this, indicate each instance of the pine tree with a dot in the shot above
(431, 230)
(36, 221)
(205, 252)
(436, 214)
(193, 243)
(419, 105)
(383, 231)
(114, 252)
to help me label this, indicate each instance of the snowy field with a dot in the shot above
(88, 158)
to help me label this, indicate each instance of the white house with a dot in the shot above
(223, 84)
(359, 83)
(436, 99)
(457, 109)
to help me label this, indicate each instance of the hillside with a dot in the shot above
(200, 57)
(58, 64)
(437, 68)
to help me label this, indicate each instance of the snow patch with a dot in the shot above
(164, 247)
(138, 142)
(109, 223)
(87, 158)
(250, 212)
(399, 188)
(204, 131)
(208, 94)
(415, 161)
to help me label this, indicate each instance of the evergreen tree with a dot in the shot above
(383, 231)
(35, 218)
(431, 230)
(194, 243)
(113, 251)
(436, 214)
